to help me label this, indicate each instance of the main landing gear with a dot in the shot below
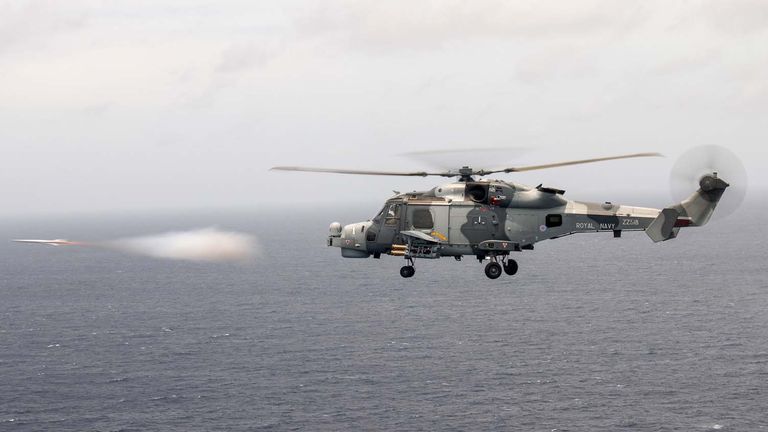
(493, 269)
(510, 267)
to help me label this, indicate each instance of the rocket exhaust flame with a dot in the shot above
(202, 245)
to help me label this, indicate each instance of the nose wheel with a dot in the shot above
(407, 271)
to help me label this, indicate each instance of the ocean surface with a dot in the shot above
(593, 333)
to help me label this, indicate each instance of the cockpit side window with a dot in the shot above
(422, 219)
(392, 214)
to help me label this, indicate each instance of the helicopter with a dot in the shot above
(491, 219)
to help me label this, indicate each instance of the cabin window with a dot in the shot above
(422, 219)
(392, 215)
(554, 220)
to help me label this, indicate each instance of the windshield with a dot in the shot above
(390, 214)
(380, 214)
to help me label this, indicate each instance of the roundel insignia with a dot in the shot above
(543, 228)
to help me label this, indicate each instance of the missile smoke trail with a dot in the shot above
(208, 244)
(202, 245)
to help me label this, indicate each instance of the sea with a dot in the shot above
(593, 333)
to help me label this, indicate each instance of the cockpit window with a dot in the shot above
(392, 214)
(380, 214)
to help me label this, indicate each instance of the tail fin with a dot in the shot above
(694, 211)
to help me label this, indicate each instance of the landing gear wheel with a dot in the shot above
(510, 267)
(407, 271)
(493, 270)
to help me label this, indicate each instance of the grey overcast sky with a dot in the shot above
(162, 105)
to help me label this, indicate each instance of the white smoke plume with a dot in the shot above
(208, 244)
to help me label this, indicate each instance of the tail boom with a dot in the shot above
(695, 211)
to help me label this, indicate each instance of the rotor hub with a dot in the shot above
(465, 174)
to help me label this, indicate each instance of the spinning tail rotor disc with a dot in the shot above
(709, 159)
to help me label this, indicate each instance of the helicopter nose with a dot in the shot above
(353, 240)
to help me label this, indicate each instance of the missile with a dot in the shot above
(56, 242)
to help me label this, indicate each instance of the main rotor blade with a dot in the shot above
(465, 150)
(479, 157)
(567, 163)
(361, 172)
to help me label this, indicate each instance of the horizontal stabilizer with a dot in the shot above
(663, 227)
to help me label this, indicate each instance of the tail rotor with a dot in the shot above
(700, 166)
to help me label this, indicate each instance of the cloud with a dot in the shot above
(33, 24)
(432, 24)
(244, 56)
(88, 89)
(736, 17)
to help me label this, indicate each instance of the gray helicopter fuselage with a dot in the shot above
(481, 218)
(493, 218)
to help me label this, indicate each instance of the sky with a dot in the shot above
(130, 106)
